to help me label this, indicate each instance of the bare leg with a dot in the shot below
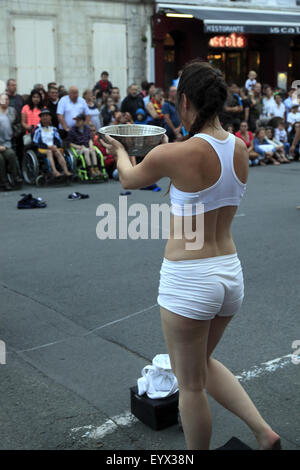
(225, 388)
(186, 341)
(93, 157)
(62, 163)
(52, 164)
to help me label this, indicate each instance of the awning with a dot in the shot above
(239, 20)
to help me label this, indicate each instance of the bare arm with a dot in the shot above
(24, 122)
(151, 111)
(62, 121)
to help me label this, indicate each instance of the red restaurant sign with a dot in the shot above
(233, 40)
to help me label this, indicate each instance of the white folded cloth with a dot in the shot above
(158, 380)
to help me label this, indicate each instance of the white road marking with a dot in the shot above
(127, 419)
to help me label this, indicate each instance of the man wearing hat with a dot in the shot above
(47, 140)
(80, 138)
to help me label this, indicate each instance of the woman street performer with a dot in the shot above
(200, 289)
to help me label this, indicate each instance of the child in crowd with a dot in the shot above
(280, 153)
(80, 138)
(251, 80)
(229, 127)
(47, 140)
(281, 136)
(266, 151)
(140, 117)
(293, 116)
(109, 161)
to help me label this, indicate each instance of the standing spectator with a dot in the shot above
(39, 87)
(115, 94)
(52, 104)
(248, 139)
(80, 138)
(176, 81)
(145, 88)
(107, 112)
(132, 102)
(8, 158)
(255, 106)
(15, 100)
(278, 109)
(62, 91)
(268, 103)
(233, 107)
(51, 84)
(30, 116)
(246, 103)
(154, 108)
(68, 108)
(150, 90)
(47, 139)
(251, 80)
(266, 151)
(103, 85)
(94, 111)
(172, 119)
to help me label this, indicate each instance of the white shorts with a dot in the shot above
(202, 288)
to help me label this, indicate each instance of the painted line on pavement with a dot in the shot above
(127, 419)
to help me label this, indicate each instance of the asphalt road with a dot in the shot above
(79, 318)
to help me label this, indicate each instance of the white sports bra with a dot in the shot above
(227, 191)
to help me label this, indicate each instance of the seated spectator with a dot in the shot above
(266, 151)
(68, 108)
(247, 138)
(8, 158)
(278, 109)
(80, 138)
(233, 107)
(115, 94)
(250, 82)
(94, 111)
(107, 112)
(109, 161)
(172, 119)
(52, 104)
(103, 85)
(122, 118)
(229, 127)
(140, 117)
(154, 108)
(47, 140)
(132, 102)
(30, 116)
(281, 136)
(295, 143)
(280, 153)
(293, 116)
(289, 101)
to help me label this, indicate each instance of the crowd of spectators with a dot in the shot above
(266, 119)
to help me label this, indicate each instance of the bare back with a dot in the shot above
(195, 166)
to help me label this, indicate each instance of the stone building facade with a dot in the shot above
(72, 41)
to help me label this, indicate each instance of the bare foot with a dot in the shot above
(56, 174)
(262, 163)
(268, 440)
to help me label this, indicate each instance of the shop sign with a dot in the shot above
(251, 29)
(233, 40)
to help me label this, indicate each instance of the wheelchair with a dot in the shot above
(81, 167)
(37, 170)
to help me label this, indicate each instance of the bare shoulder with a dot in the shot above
(241, 147)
